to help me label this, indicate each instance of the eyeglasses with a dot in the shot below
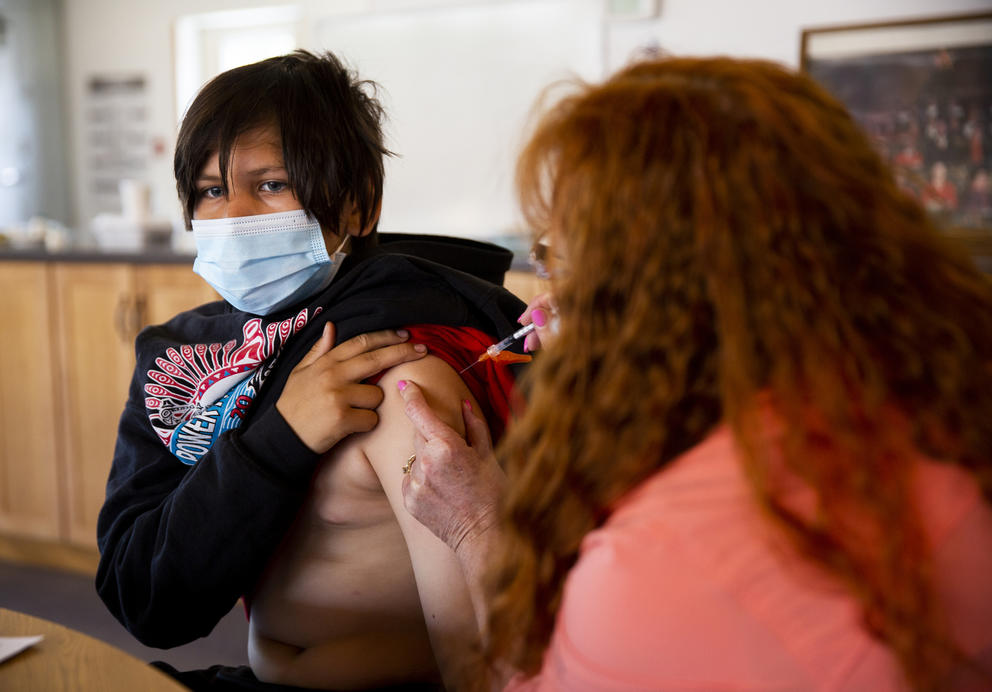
(538, 259)
(547, 264)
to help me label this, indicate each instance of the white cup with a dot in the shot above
(135, 200)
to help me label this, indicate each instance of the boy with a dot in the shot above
(230, 476)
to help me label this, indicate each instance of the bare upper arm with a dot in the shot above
(443, 593)
(443, 389)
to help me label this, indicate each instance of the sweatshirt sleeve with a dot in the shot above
(180, 544)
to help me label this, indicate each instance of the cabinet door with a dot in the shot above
(165, 290)
(94, 302)
(525, 285)
(29, 501)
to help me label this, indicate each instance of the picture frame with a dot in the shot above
(922, 90)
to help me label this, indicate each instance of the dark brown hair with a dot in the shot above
(731, 237)
(329, 121)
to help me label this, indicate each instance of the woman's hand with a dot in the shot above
(454, 487)
(324, 401)
(542, 311)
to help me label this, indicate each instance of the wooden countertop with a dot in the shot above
(39, 254)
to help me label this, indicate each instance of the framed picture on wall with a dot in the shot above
(922, 89)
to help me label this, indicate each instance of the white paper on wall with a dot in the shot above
(115, 136)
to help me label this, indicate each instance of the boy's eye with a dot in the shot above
(274, 186)
(212, 192)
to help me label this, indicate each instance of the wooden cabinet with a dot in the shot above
(101, 308)
(63, 382)
(163, 291)
(91, 302)
(524, 284)
(29, 498)
(66, 360)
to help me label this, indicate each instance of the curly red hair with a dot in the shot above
(730, 234)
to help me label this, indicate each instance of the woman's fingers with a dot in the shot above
(542, 312)
(453, 488)
(532, 343)
(476, 430)
(427, 423)
(541, 300)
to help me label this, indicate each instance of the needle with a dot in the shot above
(496, 348)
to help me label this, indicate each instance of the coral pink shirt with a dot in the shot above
(688, 587)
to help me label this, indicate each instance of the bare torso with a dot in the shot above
(338, 606)
(339, 601)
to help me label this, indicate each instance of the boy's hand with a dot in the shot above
(324, 401)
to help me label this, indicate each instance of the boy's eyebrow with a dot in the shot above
(208, 178)
(266, 169)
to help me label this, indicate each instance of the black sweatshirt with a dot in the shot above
(180, 542)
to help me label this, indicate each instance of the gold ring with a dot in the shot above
(409, 464)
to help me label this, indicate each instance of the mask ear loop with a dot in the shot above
(341, 247)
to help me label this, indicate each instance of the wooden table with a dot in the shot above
(67, 660)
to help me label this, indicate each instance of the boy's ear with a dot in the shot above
(351, 220)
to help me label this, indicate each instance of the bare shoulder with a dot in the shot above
(388, 446)
(443, 389)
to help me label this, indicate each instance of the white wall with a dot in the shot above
(459, 85)
(110, 36)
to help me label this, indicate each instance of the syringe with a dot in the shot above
(500, 346)
(496, 348)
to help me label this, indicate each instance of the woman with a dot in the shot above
(758, 454)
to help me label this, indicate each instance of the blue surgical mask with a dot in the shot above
(261, 264)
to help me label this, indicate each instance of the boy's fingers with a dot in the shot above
(361, 420)
(320, 347)
(370, 341)
(367, 396)
(364, 365)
